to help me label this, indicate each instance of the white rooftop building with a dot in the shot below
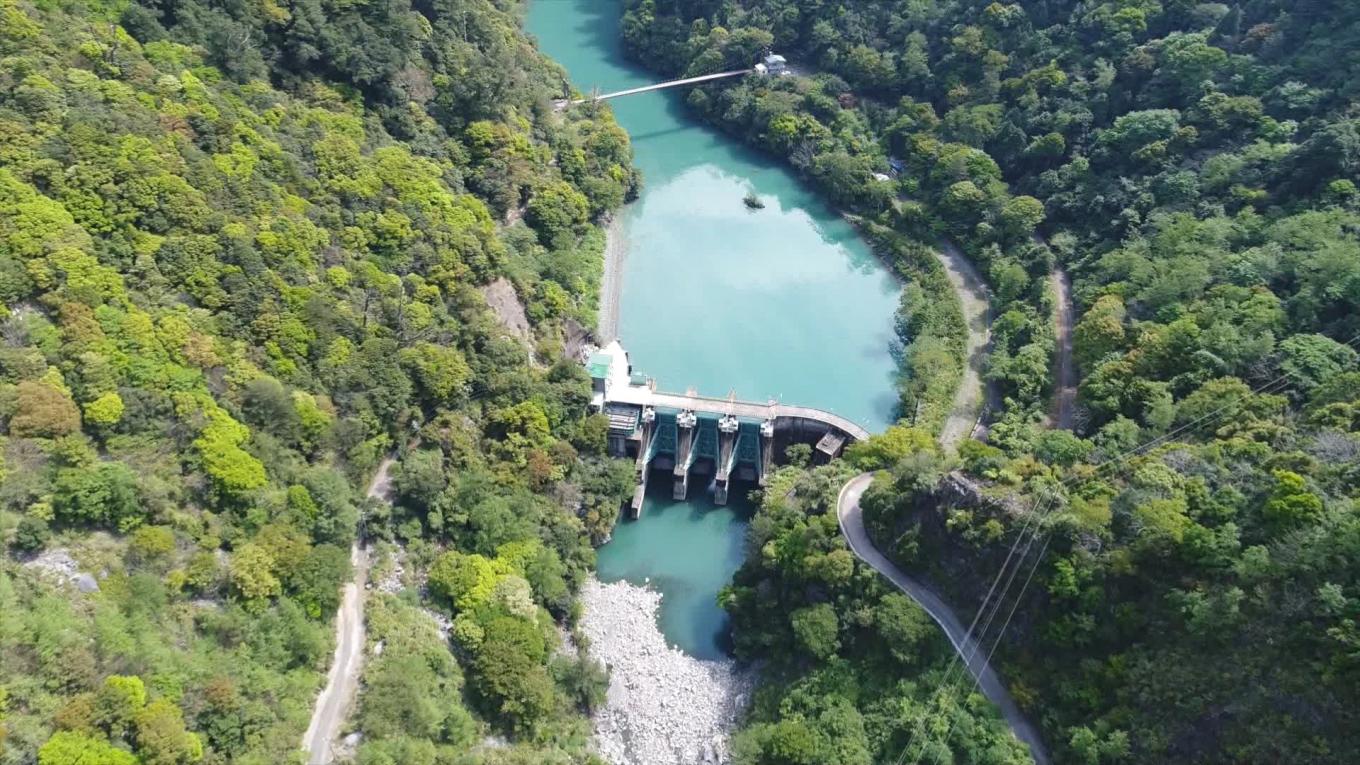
(774, 64)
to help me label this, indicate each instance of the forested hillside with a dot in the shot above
(1194, 167)
(241, 253)
(852, 668)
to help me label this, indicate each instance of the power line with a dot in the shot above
(962, 663)
(987, 598)
(1037, 515)
(1047, 539)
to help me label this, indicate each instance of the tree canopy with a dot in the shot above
(243, 256)
(1193, 168)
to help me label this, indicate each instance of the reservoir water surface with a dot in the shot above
(785, 302)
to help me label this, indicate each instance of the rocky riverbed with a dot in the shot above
(664, 706)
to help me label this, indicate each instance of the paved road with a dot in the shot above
(1065, 374)
(974, 298)
(337, 698)
(852, 526)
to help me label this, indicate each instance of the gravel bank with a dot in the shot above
(664, 706)
(611, 285)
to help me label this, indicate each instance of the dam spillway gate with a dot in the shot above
(691, 435)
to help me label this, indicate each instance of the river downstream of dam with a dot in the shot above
(784, 302)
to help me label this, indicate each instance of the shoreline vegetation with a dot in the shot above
(244, 253)
(1192, 167)
(232, 277)
(928, 336)
(930, 328)
(814, 125)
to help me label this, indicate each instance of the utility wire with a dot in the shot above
(1044, 547)
(1040, 514)
(1037, 514)
(961, 663)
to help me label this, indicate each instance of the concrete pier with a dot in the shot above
(766, 450)
(646, 449)
(727, 457)
(685, 423)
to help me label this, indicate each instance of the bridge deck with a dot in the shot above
(661, 85)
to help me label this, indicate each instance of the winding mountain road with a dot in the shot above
(976, 658)
(342, 684)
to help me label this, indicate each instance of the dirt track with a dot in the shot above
(974, 299)
(1065, 375)
(337, 698)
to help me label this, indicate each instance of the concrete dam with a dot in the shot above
(689, 434)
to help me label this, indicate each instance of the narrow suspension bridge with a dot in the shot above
(772, 64)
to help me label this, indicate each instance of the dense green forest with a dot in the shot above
(851, 666)
(245, 253)
(1193, 166)
(242, 253)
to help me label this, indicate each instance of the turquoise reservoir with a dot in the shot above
(785, 302)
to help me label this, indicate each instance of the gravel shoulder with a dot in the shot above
(975, 300)
(611, 285)
(664, 707)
